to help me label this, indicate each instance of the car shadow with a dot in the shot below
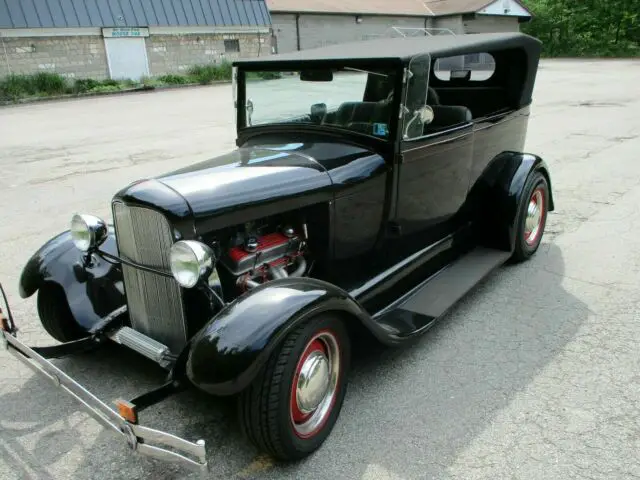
(419, 404)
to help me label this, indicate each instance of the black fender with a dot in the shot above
(93, 289)
(225, 356)
(496, 195)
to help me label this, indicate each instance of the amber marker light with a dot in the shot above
(4, 322)
(127, 410)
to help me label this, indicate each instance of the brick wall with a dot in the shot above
(84, 56)
(79, 57)
(176, 53)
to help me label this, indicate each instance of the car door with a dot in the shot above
(434, 165)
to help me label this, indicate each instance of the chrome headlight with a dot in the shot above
(88, 232)
(190, 261)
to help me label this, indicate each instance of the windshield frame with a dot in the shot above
(240, 91)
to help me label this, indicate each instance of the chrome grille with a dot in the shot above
(154, 301)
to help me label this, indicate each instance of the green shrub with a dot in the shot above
(13, 87)
(49, 83)
(41, 84)
(109, 82)
(149, 82)
(269, 75)
(205, 74)
(83, 85)
(106, 88)
(225, 70)
(174, 79)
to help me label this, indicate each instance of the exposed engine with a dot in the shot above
(255, 256)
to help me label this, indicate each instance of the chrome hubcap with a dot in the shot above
(533, 222)
(315, 384)
(312, 382)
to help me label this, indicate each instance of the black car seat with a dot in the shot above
(432, 97)
(362, 112)
(445, 116)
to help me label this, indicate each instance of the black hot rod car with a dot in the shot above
(374, 184)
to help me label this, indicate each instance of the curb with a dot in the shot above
(71, 96)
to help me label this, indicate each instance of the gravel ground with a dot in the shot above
(534, 375)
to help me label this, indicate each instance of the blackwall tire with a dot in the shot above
(56, 316)
(286, 412)
(532, 217)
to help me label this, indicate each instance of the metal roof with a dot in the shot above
(132, 13)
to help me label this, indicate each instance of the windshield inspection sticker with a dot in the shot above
(380, 129)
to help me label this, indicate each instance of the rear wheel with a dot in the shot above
(532, 217)
(291, 408)
(56, 316)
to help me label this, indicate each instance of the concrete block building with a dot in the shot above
(302, 24)
(128, 38)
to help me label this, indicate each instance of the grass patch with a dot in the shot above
(15, 87)
(41, 84)
(175, 80)
(206, 74)
(105, 89)
(264, 75)
(83, 85)
(49, 83)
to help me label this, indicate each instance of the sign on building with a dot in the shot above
(125, 32)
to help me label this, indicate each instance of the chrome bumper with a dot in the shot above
(137, 436)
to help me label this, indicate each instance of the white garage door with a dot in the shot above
(127, 58)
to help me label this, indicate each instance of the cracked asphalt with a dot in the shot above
(534, 375)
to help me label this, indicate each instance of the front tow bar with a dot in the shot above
(137, 436)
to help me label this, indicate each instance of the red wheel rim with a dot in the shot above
(535, 217)
(315, 384)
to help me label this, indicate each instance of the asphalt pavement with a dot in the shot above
(534, 375)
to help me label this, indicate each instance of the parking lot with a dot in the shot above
(535, 375)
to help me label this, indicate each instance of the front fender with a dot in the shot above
(92, 291)
(498, 193)
(227, 354)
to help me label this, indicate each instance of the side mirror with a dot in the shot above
(249, 108)
(426, 114)
(422, 116)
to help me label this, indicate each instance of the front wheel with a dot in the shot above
(55, 315)
(291, 408)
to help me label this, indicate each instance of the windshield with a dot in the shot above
(354, 99)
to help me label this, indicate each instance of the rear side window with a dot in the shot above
(474, 67)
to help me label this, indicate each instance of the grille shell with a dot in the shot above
(155, 302)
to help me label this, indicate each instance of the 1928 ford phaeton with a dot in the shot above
(374, 184)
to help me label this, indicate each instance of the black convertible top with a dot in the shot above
(404, 49)
(516, 54)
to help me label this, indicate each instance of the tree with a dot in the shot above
(586, 27)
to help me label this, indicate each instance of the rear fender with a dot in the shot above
(92, 291)
(498, 193)
(227, 354)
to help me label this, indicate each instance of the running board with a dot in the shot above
(420, 308)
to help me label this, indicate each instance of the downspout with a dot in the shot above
(298, 30)
(259, 44)
(6, 56)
